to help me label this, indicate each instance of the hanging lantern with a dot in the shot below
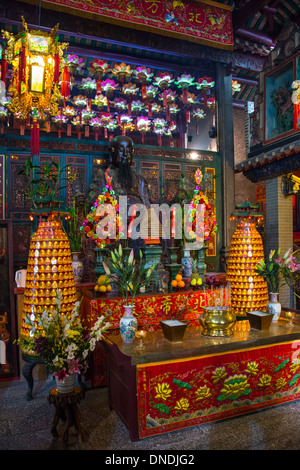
(35, 58)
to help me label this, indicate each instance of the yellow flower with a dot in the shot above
(235, 386)
(182, 404)
(252, 368)
(218, 374)
(280, 383)
(265, 380)
(163, 391)
(202, 393)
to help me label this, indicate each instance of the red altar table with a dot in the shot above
(165, 386)
(186, 305)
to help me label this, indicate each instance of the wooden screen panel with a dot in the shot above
(172, 175)
(150, 171)
(76, 177)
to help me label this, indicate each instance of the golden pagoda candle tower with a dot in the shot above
(49, 269)
(248, 291)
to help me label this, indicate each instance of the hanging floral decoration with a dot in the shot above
(199, 232)
(184, 82)
(96, 123)
(118, 89)
(100, 101)
(236, 87)
(197, 115)
(99, 68)
(143, 125)
(143, 75)
(105, 210)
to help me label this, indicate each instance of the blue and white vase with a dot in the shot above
(128, 324)
(186, 263)
(77, 266)
(273, 306)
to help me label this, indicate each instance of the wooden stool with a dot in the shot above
(66, 409)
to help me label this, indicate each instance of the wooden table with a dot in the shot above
(66, 409)
(169, 386)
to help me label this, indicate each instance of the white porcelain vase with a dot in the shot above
(67, 385)
(128, 324)
(274, 307)
(77, 266)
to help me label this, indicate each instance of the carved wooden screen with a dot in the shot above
(150, 171)
(76, 177)
(172, 175)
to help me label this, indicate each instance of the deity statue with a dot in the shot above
(124, 180)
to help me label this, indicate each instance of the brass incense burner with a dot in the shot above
(217, 321)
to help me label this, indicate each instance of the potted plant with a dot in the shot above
(275, 272)
(128, 275)
(64, 344)
(75, 241)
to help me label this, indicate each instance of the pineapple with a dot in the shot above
(195, 274)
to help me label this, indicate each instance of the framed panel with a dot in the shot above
(76, 177)
(172, 175)
(8, 349)
(150, 171)
(278, 106)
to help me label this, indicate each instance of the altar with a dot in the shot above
(158, 386)
(150, 308)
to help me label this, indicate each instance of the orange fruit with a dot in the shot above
(108, 288)
(181, 283)
(102, 288)
(96, 288)
(174, 283)
(178, 277)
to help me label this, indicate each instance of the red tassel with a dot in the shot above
(165, 98)
(69, 130)
(143, 137)
(65, 83)
(105, 132)
(108, 108)
(3, 68)
(22, 68)
(56, 68)
(35, 139)
(89, 104)
(96, 135)
(144, 92)
(205, 100)
(296, 116)
(59, 133)
(119, 120)
(99, 87)
(150, 110)
(168, 113)
(184, 96)
(159, 140)
(188, 116)
(48, 126)
(129, 109)
(86, 131)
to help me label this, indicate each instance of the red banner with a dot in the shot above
(151, 309)
(178, 394)
(207, 23)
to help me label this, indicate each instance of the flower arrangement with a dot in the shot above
(185, 81)
(63, 342)
(100, 101)
(205, 83)
(277, 269)
(127, 273)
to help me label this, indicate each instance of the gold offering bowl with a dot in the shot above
(217, 321)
